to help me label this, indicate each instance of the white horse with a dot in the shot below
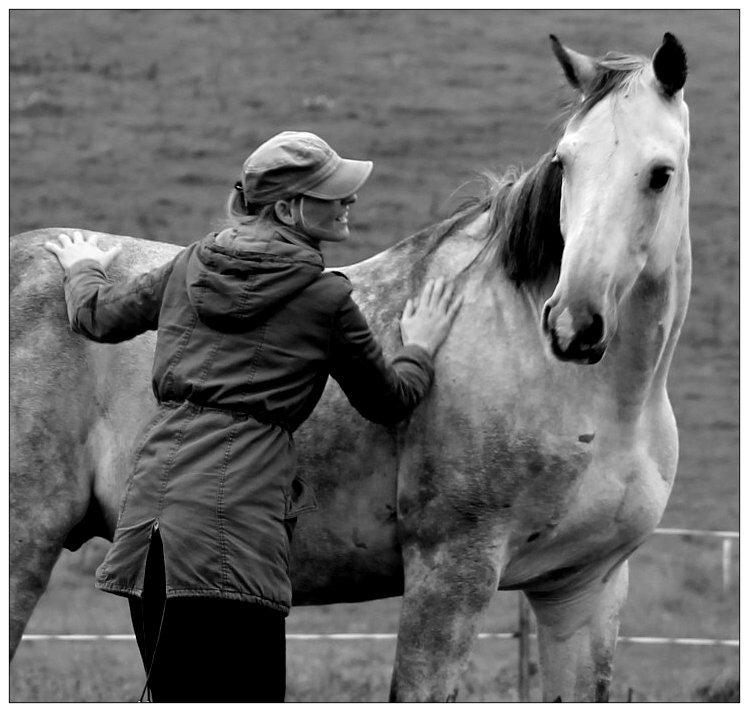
(542, 458)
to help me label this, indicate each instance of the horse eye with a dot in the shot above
(556, 161)
(659, 178)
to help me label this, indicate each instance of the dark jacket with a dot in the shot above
(249, 328)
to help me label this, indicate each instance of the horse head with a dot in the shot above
(625, 187)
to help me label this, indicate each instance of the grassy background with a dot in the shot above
(137, 123)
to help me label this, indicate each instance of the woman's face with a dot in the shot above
(325, 220)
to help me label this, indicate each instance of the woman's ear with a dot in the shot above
(283, 212)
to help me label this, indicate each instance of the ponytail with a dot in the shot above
(240, 212)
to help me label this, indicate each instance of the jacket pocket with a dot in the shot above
(300, 499)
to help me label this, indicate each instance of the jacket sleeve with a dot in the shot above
(111, 312)
(382, 392)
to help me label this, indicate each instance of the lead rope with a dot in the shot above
(153, 657)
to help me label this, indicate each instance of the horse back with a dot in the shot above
(77, 407)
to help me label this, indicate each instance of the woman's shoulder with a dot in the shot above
(335, 288)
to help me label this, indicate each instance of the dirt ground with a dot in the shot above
(137, 123)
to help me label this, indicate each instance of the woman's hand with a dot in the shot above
(426, 320)
(78, 248)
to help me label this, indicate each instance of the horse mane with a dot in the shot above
(524, 237)
(524, 222)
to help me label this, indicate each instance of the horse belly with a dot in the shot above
(342, 564)
(125, 403)
(347, 549)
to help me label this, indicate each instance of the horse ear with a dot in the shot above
(579, 69)
(670, 65)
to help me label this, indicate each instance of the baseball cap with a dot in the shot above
(300, 163)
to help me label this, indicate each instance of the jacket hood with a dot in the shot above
(243, 274)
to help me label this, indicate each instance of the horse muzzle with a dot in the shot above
(577, 335)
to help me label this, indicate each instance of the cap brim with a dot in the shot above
(348, 177)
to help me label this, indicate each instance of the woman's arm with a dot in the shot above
(388, 392)
(102, 310)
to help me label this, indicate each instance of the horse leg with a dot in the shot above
(45, 505)
(447, 589)
(46, 500)
(32, 556)
(577, 633)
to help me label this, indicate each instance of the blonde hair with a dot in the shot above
(239, 212)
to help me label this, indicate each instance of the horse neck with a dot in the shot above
(650, 322)
(634, 370)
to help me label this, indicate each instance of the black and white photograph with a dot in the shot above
(366, 355)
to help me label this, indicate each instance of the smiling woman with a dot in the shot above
(324, 219)
(297, 179)
(249, 328)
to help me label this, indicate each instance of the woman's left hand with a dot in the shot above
(77, 248)
(426, 320)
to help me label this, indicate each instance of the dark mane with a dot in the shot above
(524, 237)
(524, 222)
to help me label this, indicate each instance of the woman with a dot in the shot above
(249, 328)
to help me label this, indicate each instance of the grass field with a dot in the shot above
(137, 123)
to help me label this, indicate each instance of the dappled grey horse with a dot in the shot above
(544, 455)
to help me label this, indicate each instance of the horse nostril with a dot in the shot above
(545, 317)
(592, 333)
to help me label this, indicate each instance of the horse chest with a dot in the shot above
(566, 488)
(612, 505)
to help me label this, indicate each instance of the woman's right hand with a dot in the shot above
(80, 247)
(427, 319)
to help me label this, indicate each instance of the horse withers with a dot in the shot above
(542, 458)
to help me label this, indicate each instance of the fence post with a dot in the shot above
(524, 640)
(727, 546)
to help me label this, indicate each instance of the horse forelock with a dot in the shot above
(616, 72)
